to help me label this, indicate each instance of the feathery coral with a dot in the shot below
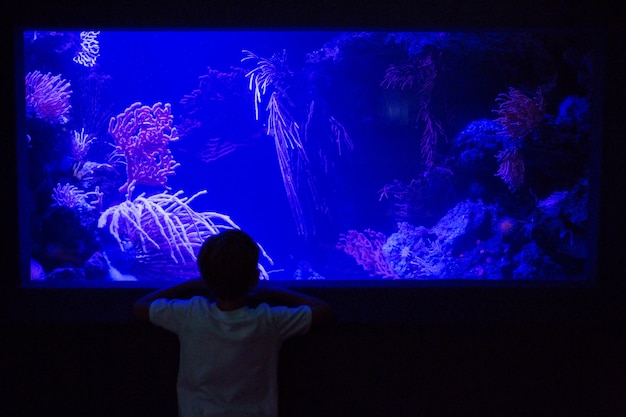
(511, 168)
(164, 231)
(519, 114)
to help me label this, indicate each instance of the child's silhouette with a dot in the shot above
(229, 347)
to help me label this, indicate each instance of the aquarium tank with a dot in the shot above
(461, 156)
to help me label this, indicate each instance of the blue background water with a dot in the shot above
(341, 73)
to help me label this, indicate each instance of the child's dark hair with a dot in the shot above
(228, 263)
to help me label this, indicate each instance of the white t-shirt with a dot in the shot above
(228, 359)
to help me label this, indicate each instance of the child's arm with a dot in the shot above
(181, 290)
(321, 310)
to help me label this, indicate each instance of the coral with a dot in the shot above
(519, 114)
(48, 97)
(414, 253)
(304, 150)
(214, 110)
(400, 76)
(269, 73)
(70, 196)
(142, 134)
(422, 199)
(465, 218)
(339, 134)
(506, 227)
(421, 72)
(164, 233)
(81, 142)
(305, 271)
(366, 249)
(511, 169)
(90, 49)
(551, 205)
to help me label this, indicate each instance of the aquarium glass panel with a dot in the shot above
(359, 156)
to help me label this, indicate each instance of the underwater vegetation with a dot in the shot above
(369, 155)
(272, 76)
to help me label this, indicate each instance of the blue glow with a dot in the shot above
(417, 156)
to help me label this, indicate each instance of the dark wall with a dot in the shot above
(560, 369)
(494, 352)
(427, 352)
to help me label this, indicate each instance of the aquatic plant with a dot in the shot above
(142, 134)
(404, 197)
(48, 97)
(366, 249)
(422, 199)
(216, 148)
(213, 110)
(281, 126)
(400, 76)
(304, 151)
(421, 72)
(164, 233)
(339, 134)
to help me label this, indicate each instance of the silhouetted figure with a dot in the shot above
(229, 346)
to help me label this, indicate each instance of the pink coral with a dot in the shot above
(142, 134)
(366, 249)
(519, 114)
(511, 170)
(423, 73)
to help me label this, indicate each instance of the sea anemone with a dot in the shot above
(506, 227)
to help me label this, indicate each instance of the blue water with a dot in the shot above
(392, 155)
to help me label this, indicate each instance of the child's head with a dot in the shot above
(228, 263)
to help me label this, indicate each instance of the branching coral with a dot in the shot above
(90, 49)
(142, 134)
(213, 114)
(366, 249)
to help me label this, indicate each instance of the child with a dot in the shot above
(229, 348)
